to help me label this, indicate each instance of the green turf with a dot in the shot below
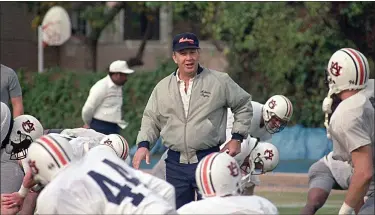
(292, 202)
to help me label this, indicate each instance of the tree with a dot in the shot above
(357, 22)
(284, 45)
(98, 15)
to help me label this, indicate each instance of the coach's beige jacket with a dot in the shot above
(204, 127)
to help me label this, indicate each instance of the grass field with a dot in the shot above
(290, 203)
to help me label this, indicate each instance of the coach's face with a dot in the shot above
(187, 60)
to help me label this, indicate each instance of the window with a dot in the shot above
(79, 25)
(135, 25)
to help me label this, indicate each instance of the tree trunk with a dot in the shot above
(90, 54)
(93, 38)
(93, 47)
(137, 60)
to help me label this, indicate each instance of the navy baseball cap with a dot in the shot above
(185, 41)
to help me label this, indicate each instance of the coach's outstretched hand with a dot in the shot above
(141, 154)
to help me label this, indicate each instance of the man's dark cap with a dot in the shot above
(185, 41)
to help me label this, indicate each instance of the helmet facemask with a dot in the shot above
(275, 124)
(264, 160)
(258, 164)
(19, 150)
(249, 168)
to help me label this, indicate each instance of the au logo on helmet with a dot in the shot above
(335, 68)
(108, 143)
(28, 126)
(270, 154)
(234, 171)
(272, 104)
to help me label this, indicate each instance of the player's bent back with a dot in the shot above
(230, 205)
(100, 183)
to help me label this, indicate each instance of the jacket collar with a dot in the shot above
(200, 70)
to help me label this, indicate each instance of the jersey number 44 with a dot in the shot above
(125, 191)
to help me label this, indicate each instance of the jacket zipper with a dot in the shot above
(186, 117)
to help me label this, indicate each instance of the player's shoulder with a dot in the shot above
(256, 202)
(101, 152)
(257, 107)
(369, 90)
(353, 107)
(102, 83)
(81, 132)
(49, 191)
(257, 104)
(191, 207)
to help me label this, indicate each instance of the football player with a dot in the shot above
(351, 126)
(20, 133)
(23, 130)
(324, 175)
(99, 183)
(268, 119)
(81, 140)
(327, 174)
(218, 178)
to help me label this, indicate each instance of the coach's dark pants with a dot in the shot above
(104, 127)
(182, 176)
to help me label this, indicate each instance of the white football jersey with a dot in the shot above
(255, 130)
(369, 90)
(352, 126)
(102, 183)
(341, 171)
(82, 140)
(230, 205)
(82, 132)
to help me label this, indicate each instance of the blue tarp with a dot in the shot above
(298, 142)
(294, 143)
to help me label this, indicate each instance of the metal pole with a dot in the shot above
(40, 49)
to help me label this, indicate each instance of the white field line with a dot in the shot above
(300, 205)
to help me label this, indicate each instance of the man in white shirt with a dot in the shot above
(102, 184)
(102, 110)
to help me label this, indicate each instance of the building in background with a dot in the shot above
(120, 40)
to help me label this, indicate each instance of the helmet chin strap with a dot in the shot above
(247, 178)
(327, 109)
